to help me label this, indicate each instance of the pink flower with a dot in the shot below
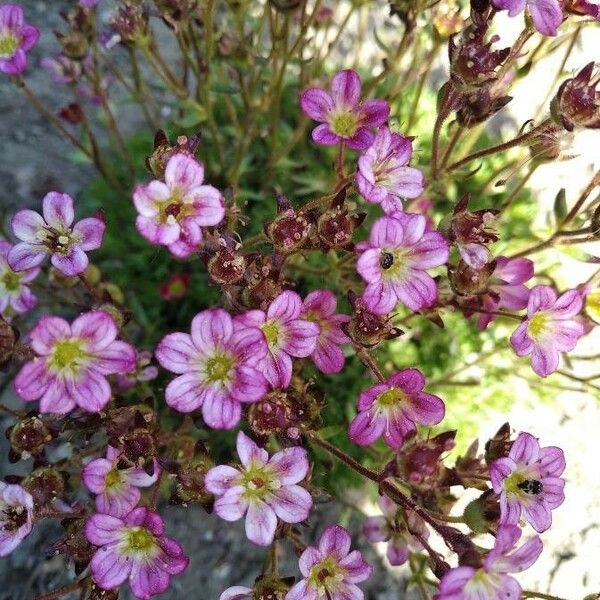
(172, 213)
(16, 516)
(134, 548)
(383, 175)
(16, 38)
(73, 362)
(547, 15)
(15, 296)
(529, 483)
(393, 408)
(54, 234)
(343, 116)
(492, 581)
(330, 570)
(394, 261)
(214, 368)
(64, 69)
(396, 529)
(143, 371)
(237, 592)
(319, 307)
(551, 327)
(505, 287)
(283, 334)
(116, 489)
(263, 489)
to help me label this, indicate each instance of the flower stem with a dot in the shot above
(531, 594)
(61, 592)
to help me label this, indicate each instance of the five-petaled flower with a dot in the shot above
(551, 327)
(319, 307)
(54, 234)
(133, 548)
(343, 117)
(172, 213)
(16, 516)
(398, 528)
(15, 296)
(331, 570)
(16, 38)
(214, 368)
(116, 488)
(283, 333)
(263, 489)
(528, 482)
(383, 175)
(393, 408)
(547, 15)
(394, 261)
(72, 363)
(492, 581)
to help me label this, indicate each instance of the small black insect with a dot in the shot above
(387, 260)
(531, 486)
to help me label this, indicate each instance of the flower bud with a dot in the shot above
(482, 513)
(577, 102)
(28, 437)
(162, 151)
(335, 227)
(551, 143)
(131, 23)
(8, 340)
(45, 484)
(290, 230)
(367, 328)
(262, 281)
(468, 281)
(271, 588)
(499, 445)
(74, 44)
(190, 475)
(176, 287)
(138, 448)
(226, 266)
(75, 546)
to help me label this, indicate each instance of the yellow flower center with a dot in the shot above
(271, 332)
(538, 324)
(11, 281)
(391, 397)
(113, 479)
(393, 262)
(67, 355)
(326, 575)
(9, 42)
(140, 541)
(218, 368)
(344, 124)
(258, 481)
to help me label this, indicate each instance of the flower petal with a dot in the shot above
(58, 210)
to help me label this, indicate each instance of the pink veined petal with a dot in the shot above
(316, 103)
(510, 510)
(522, 558)
(426, 409)
(26, 224)
(148, 579)
(538, 515)
(291, 503)
(410, 381)
(220, 410)
(24, 301)
(184, 172)
(554, 492)
(146, 198)
(249, 384)
(97, 328)
(157, 233)
(397, 553)
(551, 461)
(138, 477)
(56, 399)
(512, 297)
(58, 210)
(336, 541)
(322, 134)
(544, 360)
(407, 182)
(365, 428)
(514, 7)
(397, 428)
(345, 89)
(208, 204)
(138, 517)
(71, 264)
(566, 334)
(261, 523)
(500, 469)
(300, 338)
(361, 140)
(357, 569)
(525, 449)
(290, 464)
(514, 270)
(94, 475)
(211, 328)
(118, 503)
(177, 353)
(380, 297)
(185, 393)
(109, 568)
(15, 65)
(11, 16)
(374, 113)
(308, 559)
(220, 479)
(568, 305)
(507, 537)
(302, 591)
(118, 357)
(542, 297)
(328, 357)
(368, 397)
(547, 15)
(101, 530)
(237, 592)
(90, 392)
(29, 37)
(369, 191)
(387, 231)
(430, 251)
(32, 380)
(368, 265)
(376, 529)
(24, 256)
(349, 591)
(90, 232)
(231, 506)
(520, 340)
(277, 369)
(454, 581)
(418, 290)
(47, 332)
(285, 307)
(249, 452)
